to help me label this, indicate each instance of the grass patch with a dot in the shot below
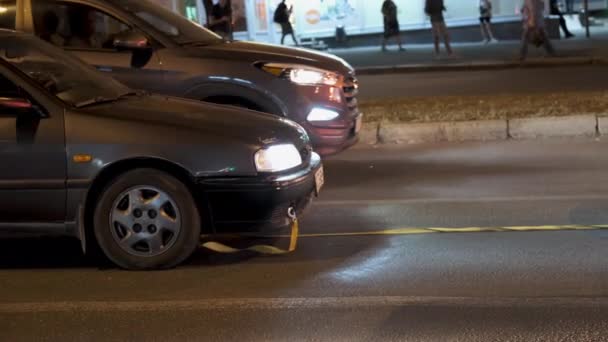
(490, 107)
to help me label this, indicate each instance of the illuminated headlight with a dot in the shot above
(313, 77)
(302, 75)
(277, 158)
(322, 114)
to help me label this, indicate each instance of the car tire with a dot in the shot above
(124, 221)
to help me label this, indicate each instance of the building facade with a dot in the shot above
(253, 19)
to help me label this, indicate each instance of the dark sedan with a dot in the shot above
(139, 175)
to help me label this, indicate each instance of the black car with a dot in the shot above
(148, 47)
(142, 175)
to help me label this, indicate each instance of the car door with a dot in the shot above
(87, 30)
(32, 155)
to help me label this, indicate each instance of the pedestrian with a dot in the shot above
(281, 17)
(391, 24)
(533, 17)
(434, 9)
(554, 5)
(485, 20)
(220, 19)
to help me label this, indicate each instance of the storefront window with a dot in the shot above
(239, 16)
(327, 14)
(319, 18)
(191, 10)
(261, 18)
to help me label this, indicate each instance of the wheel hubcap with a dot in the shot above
(145, 221)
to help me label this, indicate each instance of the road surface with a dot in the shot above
(353, 286)
(484, 82)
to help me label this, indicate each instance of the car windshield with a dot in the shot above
(59, 73)
(179, 29)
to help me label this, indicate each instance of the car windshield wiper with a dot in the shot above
(95, 100)
(103, 99)
(134, 93)
(201, 43)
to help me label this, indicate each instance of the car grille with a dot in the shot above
(351, 90)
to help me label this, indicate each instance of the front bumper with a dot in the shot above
(254, 204)
(332, 136)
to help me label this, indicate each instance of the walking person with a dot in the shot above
(434, 9)
(554, 5)
(485, 20)
(281, 17)
(391, 24)
(533, 16)
(220, 19)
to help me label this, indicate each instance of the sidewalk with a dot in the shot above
(504, 54)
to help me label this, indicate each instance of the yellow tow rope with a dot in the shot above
(262, 249)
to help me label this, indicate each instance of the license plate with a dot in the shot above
(319, 180)
(358, 124)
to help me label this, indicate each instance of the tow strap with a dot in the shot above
(262, 249)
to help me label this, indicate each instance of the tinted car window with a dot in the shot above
(75, 25)
(174, 26)
(59, 73)
(8, 10)
(7, 87)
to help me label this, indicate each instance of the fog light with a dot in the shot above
(322, 114)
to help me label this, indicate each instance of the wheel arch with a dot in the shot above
(110, 172)
(227, 93)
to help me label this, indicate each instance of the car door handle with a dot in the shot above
(104, 68)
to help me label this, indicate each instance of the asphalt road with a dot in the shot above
(485, 82)
(352, 286)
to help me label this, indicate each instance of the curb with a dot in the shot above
(550, 127)
(484, 130)
(369, 134)
(443, 132)
(483, 65)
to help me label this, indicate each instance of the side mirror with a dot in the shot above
(137, 43)
(18, 106)
(131, 40)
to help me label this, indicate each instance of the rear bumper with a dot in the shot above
(259, 203)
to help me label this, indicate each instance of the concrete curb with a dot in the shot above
(483, 65)
(484, 130)
(369, 134)
(550, 127)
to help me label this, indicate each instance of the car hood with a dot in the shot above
(208, 120)
(260, 52)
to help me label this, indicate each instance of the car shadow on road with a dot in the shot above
(66, 253)
(42, 252)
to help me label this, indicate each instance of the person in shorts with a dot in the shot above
(434, 9)
(485, 21)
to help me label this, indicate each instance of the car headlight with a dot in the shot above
(276, 158)
(322, 114)
(301, 74)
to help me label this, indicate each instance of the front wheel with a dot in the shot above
(147, 219)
